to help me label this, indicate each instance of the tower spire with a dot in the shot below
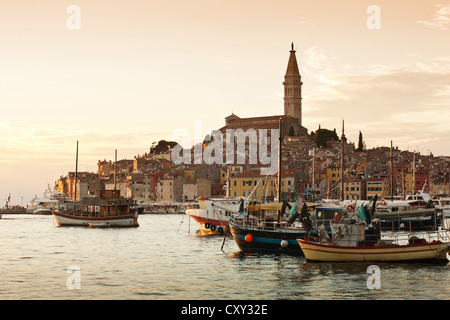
(293, 88)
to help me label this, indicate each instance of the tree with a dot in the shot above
(291, 131)
(325, 135)
(360, 143)
(162, 146)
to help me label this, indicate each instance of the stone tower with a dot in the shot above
(293, 88)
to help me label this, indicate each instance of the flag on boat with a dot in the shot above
(296, 205)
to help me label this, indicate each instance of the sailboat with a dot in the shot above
(107, 209)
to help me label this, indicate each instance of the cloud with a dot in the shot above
(407, 103)
(440, 19)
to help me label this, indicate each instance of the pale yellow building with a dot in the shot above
(263, 188)
(377, 186)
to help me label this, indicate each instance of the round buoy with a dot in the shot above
(284, 243)
(402, 225)
(207, 225)
(213, 227)
(220, 230)
(249, 238)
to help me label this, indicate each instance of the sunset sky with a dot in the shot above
(136, 71)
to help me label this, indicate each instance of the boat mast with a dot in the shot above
(313, 175)
(342, 162)
(280, 141)
(115, 172)
(76, 174)
(227, 195)
(392, 174)
(414, 174)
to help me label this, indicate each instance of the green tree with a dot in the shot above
(325, 135)
(360, 143)
(291, 131)
(162, 146)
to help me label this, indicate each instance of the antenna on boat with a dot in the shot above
(115, 172)
(392, 174)
(280, 142)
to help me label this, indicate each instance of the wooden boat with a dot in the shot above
(352, 243)
(106, 210)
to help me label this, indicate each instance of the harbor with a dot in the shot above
(165, 259)
(225, 158)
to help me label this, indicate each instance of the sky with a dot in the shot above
(123, 74)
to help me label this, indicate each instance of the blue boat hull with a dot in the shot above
(266, 240)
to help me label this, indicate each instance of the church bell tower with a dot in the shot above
(293, 88)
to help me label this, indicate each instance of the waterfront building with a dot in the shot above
(355, 189)
(264, 188)
(377, 186)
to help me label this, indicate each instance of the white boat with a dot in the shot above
(41, 209)
(353, 241)
(50, 200)
(214, 214)
(107, 210)
(444, 205)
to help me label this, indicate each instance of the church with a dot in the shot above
(292, 117)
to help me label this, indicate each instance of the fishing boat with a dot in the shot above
(267, 227)
(108, 209)
(354, 240)
(212, 214)
(261, 228)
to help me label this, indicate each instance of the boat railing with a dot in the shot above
(440, 235)
(264, 224)
(271, 224)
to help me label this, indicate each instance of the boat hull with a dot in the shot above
(121, 221)
(266, 240)
(208, 225)
(434, 251)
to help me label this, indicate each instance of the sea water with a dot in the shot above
(165, 259)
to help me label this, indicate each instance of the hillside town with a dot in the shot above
(306, 169)
(314, 164)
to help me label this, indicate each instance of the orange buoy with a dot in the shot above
(249, 238)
